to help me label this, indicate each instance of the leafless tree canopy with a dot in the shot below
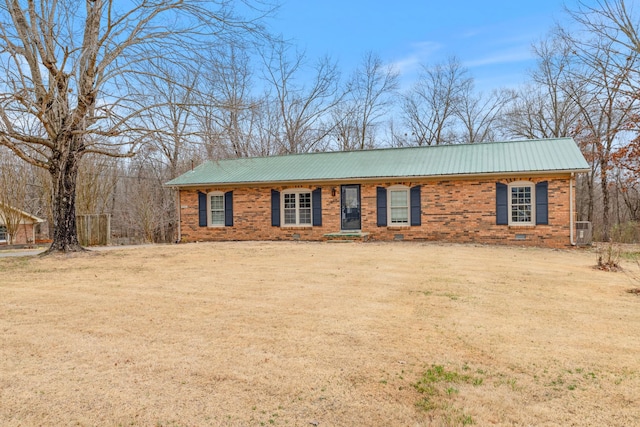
(369, 96)
(183, 81)
(74, 76)
(429, 109)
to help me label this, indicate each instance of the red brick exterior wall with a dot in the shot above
(23, 236)
(462, 211)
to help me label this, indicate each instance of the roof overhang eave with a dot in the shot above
(381, 178)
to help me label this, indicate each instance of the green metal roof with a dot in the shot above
(537, 156)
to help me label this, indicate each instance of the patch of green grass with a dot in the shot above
(437, 374)
(557, 382)
(466, 420)
(437, 386)
(630, 256)
(426, 293)
(569, 379)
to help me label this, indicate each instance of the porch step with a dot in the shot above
(346, 236)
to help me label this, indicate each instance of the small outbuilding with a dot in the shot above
(17, 227)
(517, 192)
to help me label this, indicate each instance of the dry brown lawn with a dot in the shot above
(319, 334)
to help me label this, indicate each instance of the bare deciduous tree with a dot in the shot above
(370, 96)
(479, 114)
(429, 109)
(543, 109)
(302, 110)
(229, 110)
(173, 99)
(97, 180)
(14, 177)
(614, 20)
(72, 76)
(600, 87)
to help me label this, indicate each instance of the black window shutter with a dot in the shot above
(316, 201)
(202, 209)
(502, 204)
(275, 208)
(542, 203)
(416, 206)
(228, 209)
(381, 204)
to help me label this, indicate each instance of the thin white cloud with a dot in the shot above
(419, 54)
(505, 57)
(473, 32)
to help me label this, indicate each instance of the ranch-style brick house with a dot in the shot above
(518, 192)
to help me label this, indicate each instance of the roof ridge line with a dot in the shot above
(369, 150)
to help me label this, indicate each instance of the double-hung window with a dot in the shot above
(4, 235)
(216, 209)
(521, 203)
(296, 208)
(398, 205)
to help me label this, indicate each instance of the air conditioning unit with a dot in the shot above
(583, 233)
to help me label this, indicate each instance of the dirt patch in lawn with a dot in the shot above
(318, 334)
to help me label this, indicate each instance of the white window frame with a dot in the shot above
(296, 192)
(391, 208)
(6, 234)
(532, 189)
(210, 222)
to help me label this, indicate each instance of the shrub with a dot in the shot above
(626, 232)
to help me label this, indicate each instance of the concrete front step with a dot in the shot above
(346, 236)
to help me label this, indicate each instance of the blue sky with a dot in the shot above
(490, 37)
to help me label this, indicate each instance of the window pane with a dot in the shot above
(217, 217)
(305, 200)
(399, 216)
(217, 202)
(305, 216)
(350, 195)
(289, 201)
(217, 209)
(399, 206)
(289, 216)
(290, 209)
(521, 206)
(399, 198)
(297, 208)
(304, 205)
(3, 232)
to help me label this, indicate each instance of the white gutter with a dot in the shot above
(571, 221)
(177, 192)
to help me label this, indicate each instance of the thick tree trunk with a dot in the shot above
(604, 185)
(64, 174)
